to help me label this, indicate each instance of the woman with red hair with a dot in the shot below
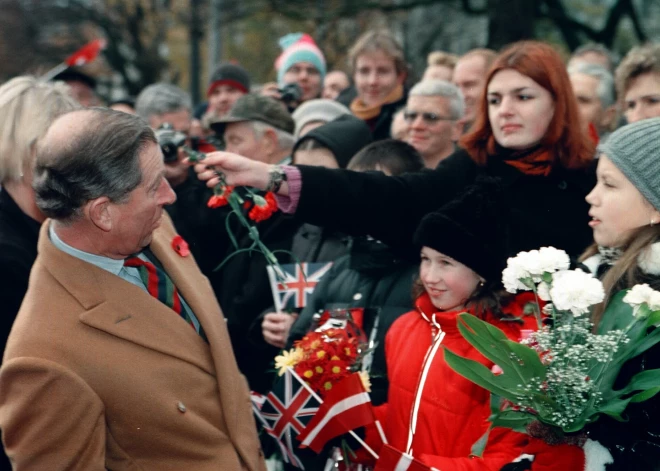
(527, 133)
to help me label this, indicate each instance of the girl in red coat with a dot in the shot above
(432, 413)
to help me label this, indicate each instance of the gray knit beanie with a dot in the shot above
(635, 150)
(320, 109)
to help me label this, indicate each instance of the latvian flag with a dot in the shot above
(346, 406)
(391, 459)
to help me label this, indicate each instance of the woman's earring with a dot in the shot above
(481, 284)
(652, 222)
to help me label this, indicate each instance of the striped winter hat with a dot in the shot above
(298, 47)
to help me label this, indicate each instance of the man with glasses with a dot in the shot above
(434, 113)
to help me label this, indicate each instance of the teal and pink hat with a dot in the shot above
(298, 47)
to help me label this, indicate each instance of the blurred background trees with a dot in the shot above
(182, 40)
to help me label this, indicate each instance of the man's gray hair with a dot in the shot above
(605, 90)
(443, 89)
(103, 159)
(161, 98)
(598, 49)
(285, 141)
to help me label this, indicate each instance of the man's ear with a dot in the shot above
(401, 78)
(99, 212)
(609, 119)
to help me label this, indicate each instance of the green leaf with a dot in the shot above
(479, 446)
(653, 319)
(645, 395)
(617, 315)
(642, 381)
(516, 420)
(481, 376)
(518, 362)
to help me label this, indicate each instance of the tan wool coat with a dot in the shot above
(99, 375)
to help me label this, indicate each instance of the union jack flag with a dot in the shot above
(292, 286)
(284, 412)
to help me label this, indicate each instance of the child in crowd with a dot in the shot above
(625, 219)
(432, 412)
(370, 276)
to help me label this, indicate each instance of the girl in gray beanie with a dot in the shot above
(625, 219)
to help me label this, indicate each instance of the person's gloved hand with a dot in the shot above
(539, 456)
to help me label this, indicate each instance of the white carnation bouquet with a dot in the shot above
(562, 377)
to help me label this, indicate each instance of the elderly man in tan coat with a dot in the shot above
(119, 358)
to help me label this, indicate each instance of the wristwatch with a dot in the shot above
(276, 176)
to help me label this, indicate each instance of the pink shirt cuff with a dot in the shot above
(289, 203)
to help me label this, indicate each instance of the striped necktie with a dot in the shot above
(160, 286)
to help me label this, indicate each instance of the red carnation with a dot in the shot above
(217, 201)
(263, 207)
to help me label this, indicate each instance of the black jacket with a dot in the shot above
(372, 278)
(18, 251)
(542, 210)
(634, 444)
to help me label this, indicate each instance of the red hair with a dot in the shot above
(565, 138)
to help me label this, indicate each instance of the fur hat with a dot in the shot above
(472, 229)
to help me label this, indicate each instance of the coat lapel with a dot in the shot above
(122, 309)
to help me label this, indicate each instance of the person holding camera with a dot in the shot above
(300, 71)
(168, 110)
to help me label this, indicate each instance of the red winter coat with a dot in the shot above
(453, 411)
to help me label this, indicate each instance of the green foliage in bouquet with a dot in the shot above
(564, 374)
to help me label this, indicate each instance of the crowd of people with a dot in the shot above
(417, 192)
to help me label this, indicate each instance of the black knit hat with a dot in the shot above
(472, 229)
(232, 75)
(345, 136)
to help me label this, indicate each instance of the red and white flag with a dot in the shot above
(87, 53)
(391, 459)
(346, 407)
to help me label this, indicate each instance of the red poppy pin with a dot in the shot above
(180, 246)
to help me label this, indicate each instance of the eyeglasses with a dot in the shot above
(428, 118)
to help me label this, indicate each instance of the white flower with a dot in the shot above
(531, 266)
(552, 260)
(575, 291)
(642, 294)
(511, 277)
(543, 291)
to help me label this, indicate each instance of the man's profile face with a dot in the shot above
(589, 104)
(470, 77)
(134, 221)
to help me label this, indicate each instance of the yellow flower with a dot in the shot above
(288, 360)
(366, 383)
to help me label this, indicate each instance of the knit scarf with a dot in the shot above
(366, 113)
(536, 161)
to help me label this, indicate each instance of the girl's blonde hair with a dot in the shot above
(27, 108)
(625, 273)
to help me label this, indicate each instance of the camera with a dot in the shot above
(170, 141)
(291, 93)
